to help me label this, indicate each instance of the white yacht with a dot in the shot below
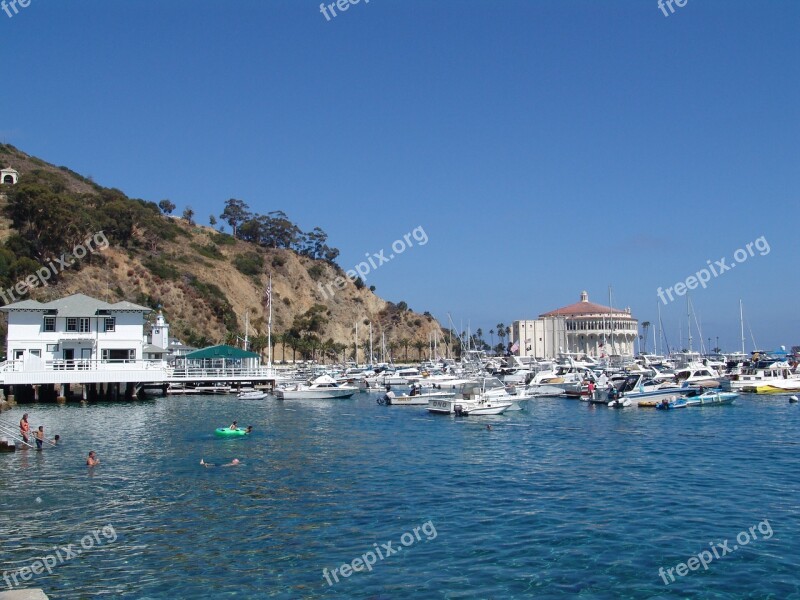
(323, 387)
(697, 373)
(765, 377)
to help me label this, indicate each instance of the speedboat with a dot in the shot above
(465, 408)
(473, 399)
(711, 397)
(252, 395)
(321, 388)
(645, 391)
(415, 400)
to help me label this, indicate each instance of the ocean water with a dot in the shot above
(562, 500)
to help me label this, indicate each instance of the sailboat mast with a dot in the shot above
(689, 322)
(660, 330)
(611, 318)
(269, 324)
(741, 322)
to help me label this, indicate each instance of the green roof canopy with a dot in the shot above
(220, 352)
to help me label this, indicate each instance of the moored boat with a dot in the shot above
(473, 399)
(252, 395)
(321, 388)
(711, 397)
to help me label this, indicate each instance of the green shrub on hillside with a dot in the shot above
(209, 251)
(249, 263)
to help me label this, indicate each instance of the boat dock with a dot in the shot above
(104, 379)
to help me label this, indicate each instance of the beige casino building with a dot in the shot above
(582, 327)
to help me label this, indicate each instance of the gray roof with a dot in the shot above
(77, 305)
(153, 349)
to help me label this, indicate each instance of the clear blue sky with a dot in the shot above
(545, 147)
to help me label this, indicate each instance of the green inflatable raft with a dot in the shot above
(227, 432)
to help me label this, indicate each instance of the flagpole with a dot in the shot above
(269, 326)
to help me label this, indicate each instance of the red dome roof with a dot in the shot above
(584, 307)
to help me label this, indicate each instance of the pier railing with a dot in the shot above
(80, 364)
(221, 373)
(33, 371)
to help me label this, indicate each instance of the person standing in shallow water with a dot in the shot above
(24, 428)
(92, 460)
(40, 437)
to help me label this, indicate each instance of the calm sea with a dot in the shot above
(562, 500)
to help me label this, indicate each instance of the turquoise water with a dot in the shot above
(562, 500)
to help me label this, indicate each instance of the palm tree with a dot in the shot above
(491, 333)
(393, 347)
(501, 332)
(420, 346)
(404, 342)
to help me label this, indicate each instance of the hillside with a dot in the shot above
(205, 281)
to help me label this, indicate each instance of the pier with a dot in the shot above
(108, 379)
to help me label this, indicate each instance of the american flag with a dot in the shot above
(515, 347)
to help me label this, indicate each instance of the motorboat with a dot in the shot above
(252, 395)
(323, 387)
(413, 400)
(698, 374)
(765, 377)
(473, 399)
(555, 383)
(452, 406)
(639, 389)
(711, 397)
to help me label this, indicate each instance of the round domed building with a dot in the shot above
(583, 327)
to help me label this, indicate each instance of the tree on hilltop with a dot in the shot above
(236, 212)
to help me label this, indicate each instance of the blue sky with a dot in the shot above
(545, 147)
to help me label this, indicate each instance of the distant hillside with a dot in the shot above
(205, 281)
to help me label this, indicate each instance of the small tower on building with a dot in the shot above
(160, 335)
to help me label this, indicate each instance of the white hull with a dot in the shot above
(467, 408)
(323, 394)
(419, 400)
(252, 396)
(543, 390)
